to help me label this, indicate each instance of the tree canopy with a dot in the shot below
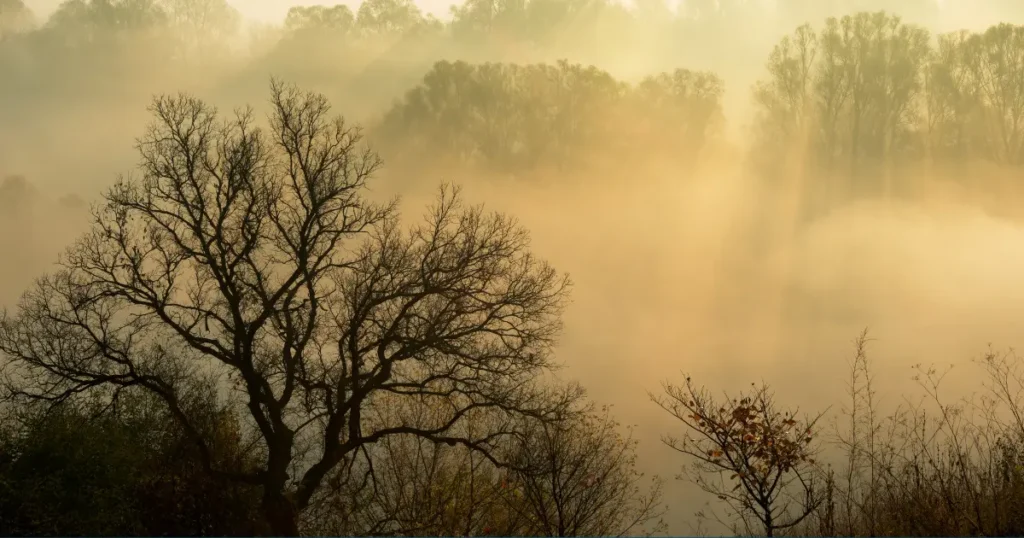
(252, 256)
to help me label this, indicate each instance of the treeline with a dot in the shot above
(515, 118)
(851, 97)
(863, 95)
(868, 91)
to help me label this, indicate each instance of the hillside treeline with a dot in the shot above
(846, 96)
(519, 118)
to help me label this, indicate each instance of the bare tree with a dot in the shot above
(581, 480)
(767, 453)
(860, 442)
(932, 466)
(415, 487)
(251, 256)
(576, 477)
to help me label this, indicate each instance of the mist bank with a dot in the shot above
(733, 196)
(708, 233)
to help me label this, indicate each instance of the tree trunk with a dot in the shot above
(281, 515)
(769, 521)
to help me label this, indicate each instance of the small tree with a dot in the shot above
(761, 457)
(410, 486)
(574, 477)
(580, 479)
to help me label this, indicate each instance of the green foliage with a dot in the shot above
(66, 475)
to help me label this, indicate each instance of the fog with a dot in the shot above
(706, 267)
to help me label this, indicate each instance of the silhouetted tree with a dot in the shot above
(408, 485)
(574, 477)
(127, 40)
(996, 61)
(479, 18)
(580, 479)
(252, 254)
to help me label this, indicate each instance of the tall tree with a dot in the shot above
(252, 256)
(846, 100)
(477, 18)
(997, 62)
(953, 105)
(786, 98)
(84, 22)
(869, 84)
